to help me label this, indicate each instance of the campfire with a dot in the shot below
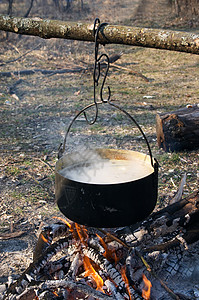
(148, 260)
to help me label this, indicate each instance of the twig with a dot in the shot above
(112, 64)
(178, 195)
(45, 163)
(114, 238)
(13, 87)
(19, 57)
(44, 72)
(130, 71)
(19, 151)
(171, 293)
(11, 163)
(13, 46)
(173, 183)
(40, 184)
(31, 176)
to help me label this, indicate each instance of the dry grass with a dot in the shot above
(35, 118)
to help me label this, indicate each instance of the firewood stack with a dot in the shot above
(137, 262)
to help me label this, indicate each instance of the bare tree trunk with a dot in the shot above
(10, 3)
(81, 4)
(29, 9)
(109, 34)
(177, 7)
(68, 4)
(187, 8)
(56, 2)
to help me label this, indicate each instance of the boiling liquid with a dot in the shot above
(108, 171)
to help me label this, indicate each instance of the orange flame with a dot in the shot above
(43, 238)
(63, 220)
(82, 233)
(109, 254)
(55, 294)
(147, 288)
(124, 277)
(90, 271)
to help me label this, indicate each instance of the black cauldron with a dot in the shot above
(106, 187)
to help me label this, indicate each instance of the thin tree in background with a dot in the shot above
(186, 8)
(10, 3)
(29, 9)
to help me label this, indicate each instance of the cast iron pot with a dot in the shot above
(109, 202)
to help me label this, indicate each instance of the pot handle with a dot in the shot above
(62, 147)
(154, 165)
(96, 76)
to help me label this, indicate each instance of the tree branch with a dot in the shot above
(109, 34)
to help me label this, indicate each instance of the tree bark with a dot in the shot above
(178, 130)
(109, 34)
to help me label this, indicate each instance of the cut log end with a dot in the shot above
(178, 130)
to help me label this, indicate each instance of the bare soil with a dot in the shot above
(37, 109)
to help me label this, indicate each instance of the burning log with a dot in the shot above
(42, 263)
(47, 235)
(30, 274)
(175, 223)
(82, 287)
(111, 287)
(64, 284)
(178, 130)
(87, 257)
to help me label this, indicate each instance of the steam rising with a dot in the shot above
(98, 170)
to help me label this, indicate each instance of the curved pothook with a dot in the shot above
(104, 79)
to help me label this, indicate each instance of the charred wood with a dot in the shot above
(29, 274)
(87, 290)
(111, 271)
(178, 130)
(162, 239)
(112, 288)
(46, 237)
(74, 267)
(105, 265)
(161, 231)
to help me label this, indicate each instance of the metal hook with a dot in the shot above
(96, 65)
(97, 70)
(96, 77)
